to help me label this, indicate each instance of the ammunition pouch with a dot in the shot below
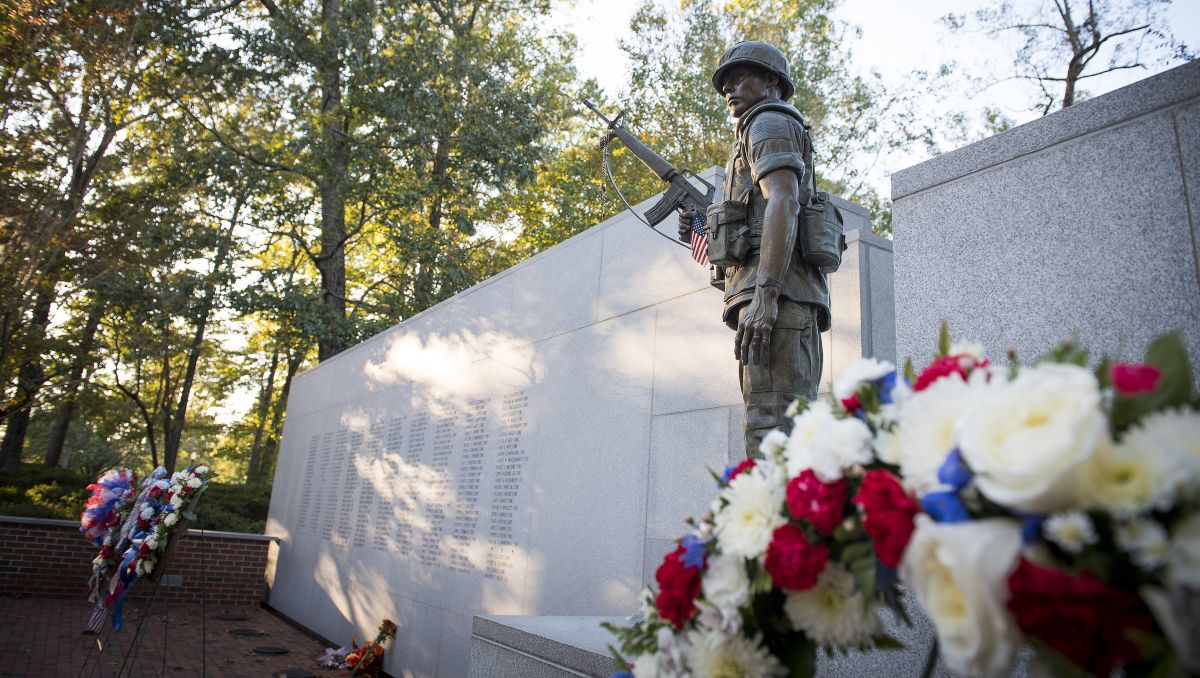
(729, 234)
(820, 239)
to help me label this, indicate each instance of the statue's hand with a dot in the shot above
(685, 225)
(752, 343)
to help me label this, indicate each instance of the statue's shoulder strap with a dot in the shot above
(775, 105)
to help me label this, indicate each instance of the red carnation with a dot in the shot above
(143, 550)
(822, 504)
(889, 515)
(1129, 379)
(1084, 618)
(187, 488)
(678, 587)
(745, 465)
(944, 367)
(792, 562)
(106, 551)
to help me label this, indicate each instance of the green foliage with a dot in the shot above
(39, 492)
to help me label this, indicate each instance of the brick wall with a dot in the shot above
(51, 559)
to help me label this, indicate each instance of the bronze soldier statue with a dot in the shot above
(777, 303)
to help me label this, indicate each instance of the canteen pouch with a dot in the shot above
(728, 233)
(821, 240)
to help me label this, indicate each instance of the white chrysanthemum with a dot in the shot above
(804, 429)
(194, 482)
(176, 500)
(1173, 434)
(1183, 562)
(152, 543)
(755, 504)
(773, 443)
(716, 655)
(928, 427)
(887, 447)
(170, 519)
(859, 372)
(826, 444)
(1146, 542)
(1134, 476)
(201, 470)
(725, 583)
(793, 408)
(838, 445)
(833, 612)
(967, 348)
(1028, 441)
(1071, 530)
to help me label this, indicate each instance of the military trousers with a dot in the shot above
(793, 371)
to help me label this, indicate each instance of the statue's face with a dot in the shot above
(744, 86)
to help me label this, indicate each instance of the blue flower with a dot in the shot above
(694, 550)
(1031, 527)
(621, 674)
(954, 472)
(886, 385)
(727, 473)
(945, 507)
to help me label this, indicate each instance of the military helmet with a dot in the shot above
(760, 54)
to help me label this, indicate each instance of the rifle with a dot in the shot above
(682, 194)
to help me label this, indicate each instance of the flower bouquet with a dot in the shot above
(368, 659)
(798, 551)
(1059, 505)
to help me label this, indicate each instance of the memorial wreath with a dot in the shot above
(1046, 505)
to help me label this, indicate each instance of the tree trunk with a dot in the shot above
(271, 449)
(264, 405)
(331, 262)
(29, 382)
(174, 424)
(66, 409)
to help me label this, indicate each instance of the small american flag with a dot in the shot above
(699, 240)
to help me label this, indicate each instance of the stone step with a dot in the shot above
(541, 647)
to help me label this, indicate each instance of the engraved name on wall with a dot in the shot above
(440, 486)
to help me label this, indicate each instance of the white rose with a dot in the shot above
(725, 583)
(1183, 561)
(1027, 440)
(927, 425)
(755, 503)
(858, 373)
(959, 573)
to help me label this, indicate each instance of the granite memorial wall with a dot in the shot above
(529, 446)
(1082, 221)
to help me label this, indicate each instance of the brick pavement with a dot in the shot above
(41, 638)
